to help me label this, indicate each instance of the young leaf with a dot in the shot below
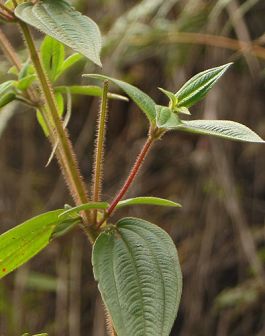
(69, 62)
(60, 103)
(25, 82)
(149, 200)
(171, 96)
(7, 98)
(62, 22)
(221, 128)
(139, 277)
(88, 90)
(199, 85)
(52, 55)
(166, 118)
(141, 99)
(42, 122)
(86, 206)
(24, 241)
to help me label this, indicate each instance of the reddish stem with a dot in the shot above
(132, 175)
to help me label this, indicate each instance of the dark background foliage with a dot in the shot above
(219, 232)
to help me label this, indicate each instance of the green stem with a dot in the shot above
(99, 152)
(67, 157)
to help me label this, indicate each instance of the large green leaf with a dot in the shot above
(141, 99)
(137, 268)
(198, 86)
(61, 21)
(147, 200)
(221, 128)
(24, 241)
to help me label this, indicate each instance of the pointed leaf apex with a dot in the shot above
(199, 85)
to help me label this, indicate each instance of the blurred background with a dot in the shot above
(219, 232)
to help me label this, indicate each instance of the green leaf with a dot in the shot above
(85, 206)
(147, 200)
(52, 55)
(7, 98)
(166, 118)
(173, 99)
(64, 227)
(62, 22)
(69, 62)
(25, 82)
(6, 87)
(221, 128)
(139, 277)
(60, 103)
(199, 85)
(42, 122)
(24, 241)
(88, 90)
(141, 99)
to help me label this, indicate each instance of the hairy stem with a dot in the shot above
(9, 51)
(67, 157)
(135, 169)
(99, 151)
(6, 12)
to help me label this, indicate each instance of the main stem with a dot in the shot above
(99, 152)
(67, 157)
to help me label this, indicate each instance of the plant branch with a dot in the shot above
(67, 157)
(9, 51)
(6, 12)
(99, 151)
(135, 169)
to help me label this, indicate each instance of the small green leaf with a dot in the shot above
(25, 82)
(60, 103)
(24, 241)
(173, 99)
(183, 110)
(62, 22)
(221, 128)
(6, 87)
(42, 122)
(199, 85)
(82, 207)
(88, 90)
(64, 227)
(52, 55)
(69, 62)
(141, 99)
(166, 118)
(7, 98)
(147, 200)
(139, 277)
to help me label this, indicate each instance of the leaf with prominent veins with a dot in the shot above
(62, 22)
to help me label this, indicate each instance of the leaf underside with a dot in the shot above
(222, 128)
(139, 277)
(147, 200)
(60, 21)
(21, 243)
